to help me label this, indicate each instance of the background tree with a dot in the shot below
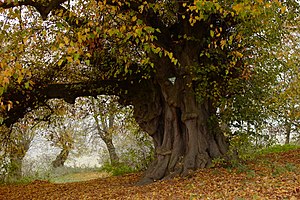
(175, 61)
(265, 96)
(62, 137)
(104, 115)
(63, 130)
(284, 101)
(113, 124)
(16, 141)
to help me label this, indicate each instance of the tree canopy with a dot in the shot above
(181, 64)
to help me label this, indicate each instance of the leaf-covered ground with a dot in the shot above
(272, 176)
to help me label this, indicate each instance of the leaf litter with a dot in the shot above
(271, 176)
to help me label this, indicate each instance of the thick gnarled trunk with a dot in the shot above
(186, 133)
(185, 130)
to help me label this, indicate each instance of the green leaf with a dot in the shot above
(139, 22)
(59, 25)
(76, 56)
(149, 29)
(160, 54)
(1, 90)
(27, 85)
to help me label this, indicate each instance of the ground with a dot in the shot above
(271, 176)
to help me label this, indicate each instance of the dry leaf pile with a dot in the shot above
(273, 176)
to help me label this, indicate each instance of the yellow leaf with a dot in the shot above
(212, 33)
(25, 40)
(238, 54)
(70, 59)
(5, 81)
(238, 7)
(134, 18)
(70, 50)
(123, 28)
(20, 78)
(141, 8)
(60, 62)
(66, 40)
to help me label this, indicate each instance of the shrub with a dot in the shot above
(118, 169)
(278, 148)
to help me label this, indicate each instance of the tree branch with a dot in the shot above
(42, 7)
(69, 16)
(11, 4)
(29, 100)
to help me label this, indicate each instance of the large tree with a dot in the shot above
(176, 62)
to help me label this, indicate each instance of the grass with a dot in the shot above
(80, 176)
(118, 169)
(62, 175)
(278, 148)
(75, 174)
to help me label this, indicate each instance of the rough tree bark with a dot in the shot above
(61, 158)
(185, 130)
(185, 135)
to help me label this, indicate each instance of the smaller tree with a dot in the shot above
(114, 124)
(62, 130)
(61, 136)
(285, 100)
(107, 116)
(15, 142)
